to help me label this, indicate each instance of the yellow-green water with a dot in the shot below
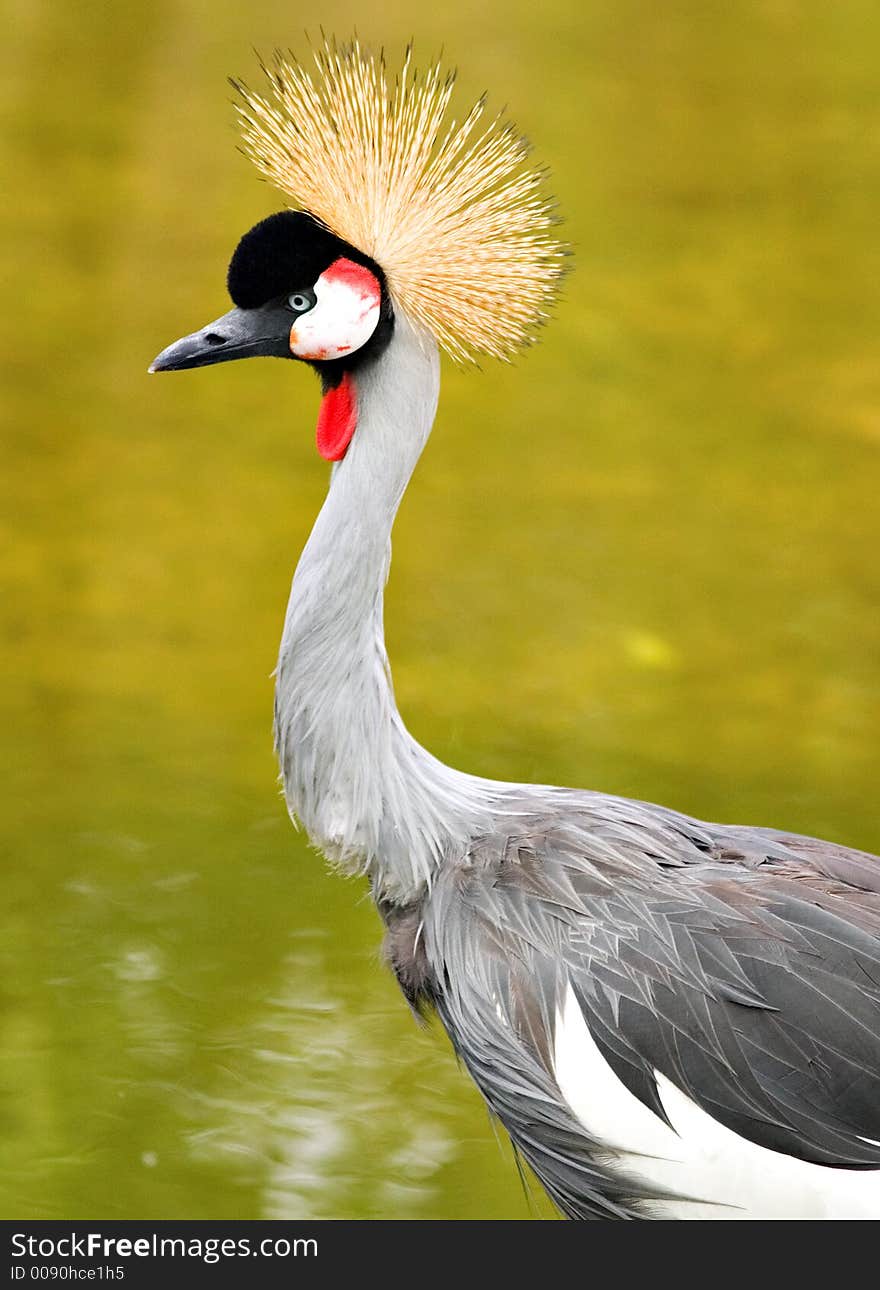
(644, 559)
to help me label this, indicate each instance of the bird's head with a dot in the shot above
(299, 292)
(400, 210)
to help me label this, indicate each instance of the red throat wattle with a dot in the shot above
(337, 420)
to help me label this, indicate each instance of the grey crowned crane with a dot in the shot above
(670, 1018)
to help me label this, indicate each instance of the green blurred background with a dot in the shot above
(643, 559)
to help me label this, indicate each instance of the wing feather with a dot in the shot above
(741, 965)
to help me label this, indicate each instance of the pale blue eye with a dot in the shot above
(301, 301)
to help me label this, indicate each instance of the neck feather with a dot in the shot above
(368, 794)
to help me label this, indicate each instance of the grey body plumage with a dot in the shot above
(743, 964)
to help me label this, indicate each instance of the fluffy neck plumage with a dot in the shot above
(367, 793)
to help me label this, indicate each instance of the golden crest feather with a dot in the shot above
(449, 210)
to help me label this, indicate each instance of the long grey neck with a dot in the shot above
(367, 793)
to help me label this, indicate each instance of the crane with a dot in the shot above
(670, 1018)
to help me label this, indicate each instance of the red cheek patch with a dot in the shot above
(337, 420)
(357, 278)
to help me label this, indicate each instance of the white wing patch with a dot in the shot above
(724, 1175)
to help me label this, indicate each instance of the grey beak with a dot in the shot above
(242, 333)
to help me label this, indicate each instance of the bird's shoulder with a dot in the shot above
(593, 842)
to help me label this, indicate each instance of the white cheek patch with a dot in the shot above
(344, 317)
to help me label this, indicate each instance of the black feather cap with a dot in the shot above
(286, 252)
